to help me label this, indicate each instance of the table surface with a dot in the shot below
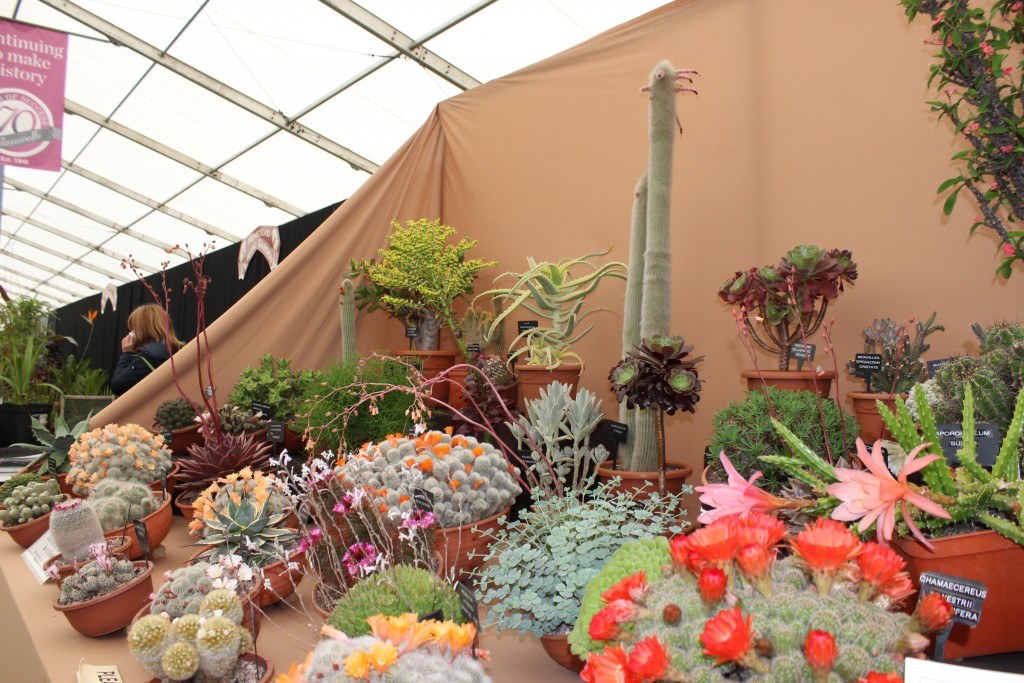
(41, 647)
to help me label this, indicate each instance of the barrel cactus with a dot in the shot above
(402, 648)
(118, 502)
(184, 589)
(469, 480)
(175, 413)
(202, 648)
(824, 613)
(104, 575)
(123, 452)
(29, 502)
(75, 527)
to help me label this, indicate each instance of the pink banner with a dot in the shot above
(33, 70)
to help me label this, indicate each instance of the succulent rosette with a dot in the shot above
(658, 373)
(726, 607)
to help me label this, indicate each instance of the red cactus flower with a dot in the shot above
(717, 543)
(649, 659)
(760, 529)
(898, 589)
(875, 677)
(879, 565)
(684, 558)
(610, 666)
(605, 624)
(825, 546)
(713, 583)
(728, 637)
(933, 613)
(755, 563)
(820, 649)
(632, 588)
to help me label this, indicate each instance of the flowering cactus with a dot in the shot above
(125, 452)
(468, 480)
(400, 649)
(725, 602)
(104, 575)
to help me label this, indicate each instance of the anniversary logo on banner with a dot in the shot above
(33, 69)
(266, 240)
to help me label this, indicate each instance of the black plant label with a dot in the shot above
(168, 435)
(619, 430)
(801, 351)
(526, 325)
(266, 410)
(422, 500)
(209, 390)
(469, 607)
(412, 331)
(436, 615)
(142, 535)
(275, 431)
(934, 365)
(472, 348)
(965, 596)
(987, 441)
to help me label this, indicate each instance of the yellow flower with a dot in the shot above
(130, 450)
(382, 656)
(232, 478)
(357, 664)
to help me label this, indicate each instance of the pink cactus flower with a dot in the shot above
(737, 497)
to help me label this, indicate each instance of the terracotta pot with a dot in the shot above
(295, 442)
(263, 664)
(983, 556)
(283, 581)
(66, 570)
(320, 598)
(457, 389)
(791, 380)
(557, 647)
(188, 510)
(158, 525)
(456, 544)
(28, 533)
(113, 611)
(433, 364)
(872, 427)
(675, 478)
(65, 487)
(533, 378)
(156, 486)
(182, 438)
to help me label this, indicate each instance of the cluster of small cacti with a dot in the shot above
(402, 648)
(104, 575)
(30, 501)
(237, 420)
(264, 491)
(175, 413)
(469, 480)
(17, 480)
(496, 369)
(723, 603)
(118, 502)
(184, 589)
(392, 592)
(75, 527)
(124, 452)
(203, 647)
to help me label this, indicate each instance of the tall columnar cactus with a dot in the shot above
(118, 502)
(648, 305)
(74, 527)
(347, 302)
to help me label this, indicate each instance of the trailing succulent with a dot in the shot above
(467, 479)
(659, 374)
(75, 527)
(725, 607)
(30, 501)
(104, 575)
(118, 502)
(393, 592)
(202, 648)
(123, 452)
(402, 648)
(175, 413)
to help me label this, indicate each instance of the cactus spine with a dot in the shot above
(75, 526)
(347, 302)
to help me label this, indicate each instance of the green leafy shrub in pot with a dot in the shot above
(274, 383)
(393, 592)
(538, 566)
(31, 501)
(744, 431)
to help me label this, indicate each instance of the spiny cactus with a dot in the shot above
(347, 302)
(118, 502)
(31, 501)
(75, 526)
(123, 452)
(102, 576)
(175, 413)
(392, 592)
(203, 648)
(469, 480)
(476, 327)
(902, 363)
(182, 591)
(400, 649)
(237, 420)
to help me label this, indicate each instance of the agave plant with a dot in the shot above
(658, 375)
(246, 530)
(215, 458)
(53, 448)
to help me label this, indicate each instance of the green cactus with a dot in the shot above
(123, 452)
(348, 320)
(97, 578)
(75, 526)
(183, 591)
(118, 502)
(237, 420)
(30, 501)
(175, 413)
(17, 480)
(393, 592)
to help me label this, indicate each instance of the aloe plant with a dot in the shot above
(18, 373)
(53, 447)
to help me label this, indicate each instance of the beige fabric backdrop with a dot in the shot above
(810, 126)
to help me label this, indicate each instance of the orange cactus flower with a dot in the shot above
(468, 468)
(402, 499)
(820, 650)
(427, 465)
(409, 462)
(713, 583)
(459, 441)
(716, 543)
(609, 666)
(649, 659)
(878, 566)
(383, 507)
(728, 637)
(632, 587)
(357, 664)
(442, 449)
(933, 613)
(479, 483)
(454, 483)
(478, 451)
(448, 430)
(755, 563)
(381, 656)
(825, 546)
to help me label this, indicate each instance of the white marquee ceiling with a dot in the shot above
(192, 120)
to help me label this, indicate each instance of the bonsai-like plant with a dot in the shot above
(30, 501)
(785, 304)
(274, 383)
(744, 430)
(659, 377)
(978, 77)
(726, 604)
(902, 363)
(419, 278)
(123, 452)
(402, 648)
(538, 566)
(551, 292)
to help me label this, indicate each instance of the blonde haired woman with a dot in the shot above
(143, 348)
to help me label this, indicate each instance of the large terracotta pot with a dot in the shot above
(187, 509)
(455, 545)
(872, 427)
(158, 525)
(264, 665)
(31, 531)
(433, 364)
(113, 611)
(533, 378)
(156, 486)
(791, 380)
(182, 438)
(557, 647)
(675, 479)
(983, 556)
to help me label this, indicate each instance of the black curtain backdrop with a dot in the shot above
(102, 343)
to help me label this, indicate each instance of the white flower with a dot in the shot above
(245, 573)
(285, 458)
(215, 571)
(201, 633)
(266, 584)
(231, 560)
(292, 566)
(420, 428)
(218, 612)
(250, 544)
